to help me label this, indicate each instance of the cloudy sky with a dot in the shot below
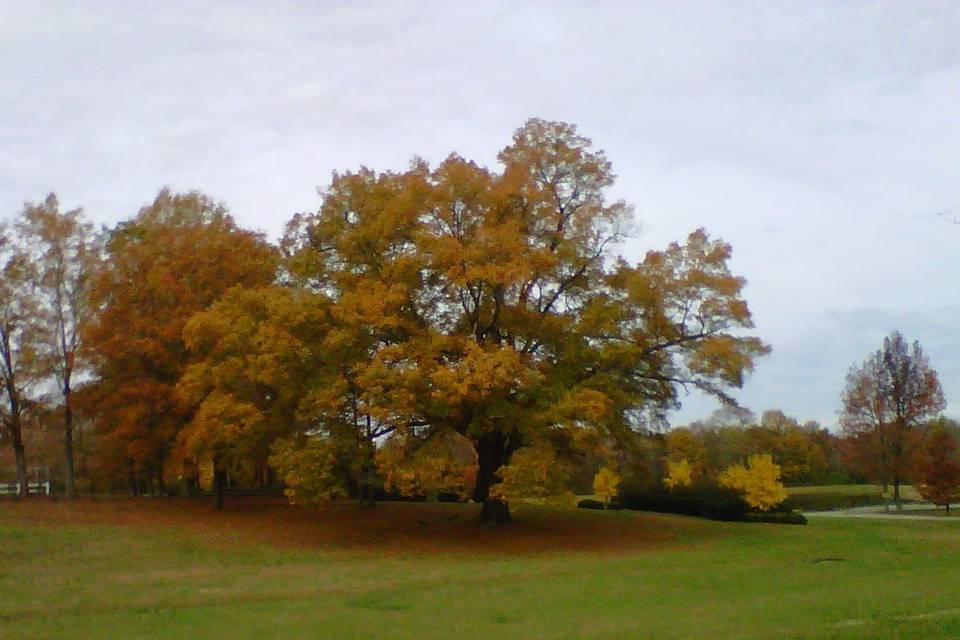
(820, 139)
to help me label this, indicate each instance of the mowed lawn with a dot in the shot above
(906, 491)
(174, 569)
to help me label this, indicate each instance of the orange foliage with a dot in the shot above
(178, 256)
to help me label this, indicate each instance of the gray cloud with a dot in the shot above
(818, 138)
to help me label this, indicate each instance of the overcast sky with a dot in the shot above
(820, 139)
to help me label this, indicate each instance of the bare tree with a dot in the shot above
(18, 340)
(64, 252)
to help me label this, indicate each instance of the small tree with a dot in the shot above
(759, 481)
(606, 484)
(939, 471)
(64, 251)
(18, 347)
(679, 474)
(884, 401)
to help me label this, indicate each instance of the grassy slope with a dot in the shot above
(907, 491)
(896, 580)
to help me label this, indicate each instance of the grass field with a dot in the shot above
(845, 496)
(174, 569)
(906, 491)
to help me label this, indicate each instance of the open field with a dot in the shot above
(845, 496)
(907, 491)
(171, 569)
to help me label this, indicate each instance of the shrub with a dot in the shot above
(605, 484)
(717, 503)
(589, 503)
(759, 481)
(776, 517)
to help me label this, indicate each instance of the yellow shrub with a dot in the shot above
(605, 484)
(679, 474)
(759, 481)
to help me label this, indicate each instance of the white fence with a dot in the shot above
(35, 488)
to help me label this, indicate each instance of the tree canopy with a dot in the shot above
(175, 258)
(492, 303)
(886, 398)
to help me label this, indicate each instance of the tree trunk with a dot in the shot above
(21, 459)
(16, 431)
(69, 485)
(219, 480)
(367, 498)
(896, 494)
(491, 455)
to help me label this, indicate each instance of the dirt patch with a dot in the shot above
(389, 528)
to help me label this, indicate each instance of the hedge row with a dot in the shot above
(705, 501)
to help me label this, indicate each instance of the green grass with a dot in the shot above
(829, 579)
(838, 489)
(907, 491)
(845, 496)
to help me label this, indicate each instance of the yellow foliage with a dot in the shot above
(679, 474)
(441, 464)
(309, 468)
(759, 481)
(606, 483)
(533, 472)
(683, 444)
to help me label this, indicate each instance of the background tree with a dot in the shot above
(178, 256)
(939, 468)
(19, 339)
(885, 400)
(65, 254)
(687, 446)
(679, 474)
(490, 304)
(258, 359)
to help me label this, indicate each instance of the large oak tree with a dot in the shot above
(492, 303)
